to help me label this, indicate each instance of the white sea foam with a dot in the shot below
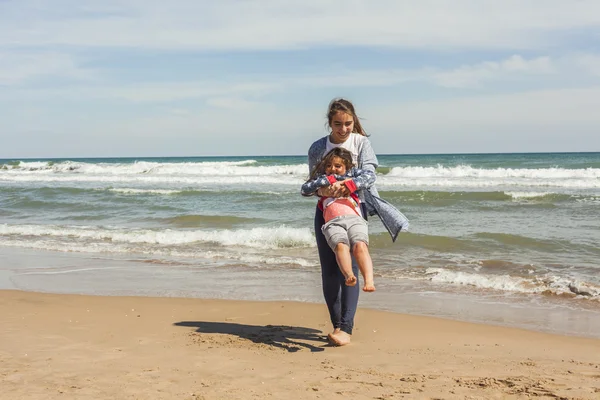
(144, 191)
(189, 181)
(537, 284)
(262, 238)
(223, 168)
(526, 195)
(133, 191)
(121, 168)
(466, 171)
(66, 271)
(472, 183)
(111, 248)
(468, 177)
(247, 172)
(588, 200)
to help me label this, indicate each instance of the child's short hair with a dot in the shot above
(340, 152)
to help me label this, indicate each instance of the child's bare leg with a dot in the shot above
(344, 260)
(365, 264)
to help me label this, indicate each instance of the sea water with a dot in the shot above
(511, 239)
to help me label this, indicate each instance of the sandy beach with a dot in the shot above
(71, 346)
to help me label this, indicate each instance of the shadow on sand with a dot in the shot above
(280, 336)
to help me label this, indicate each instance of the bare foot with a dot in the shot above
(330, 335)
(340, 338)
(351, 280)
(369, 287)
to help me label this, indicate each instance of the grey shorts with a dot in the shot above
(347, 229)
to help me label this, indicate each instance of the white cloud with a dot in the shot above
(473, 75)
(232, 103)
(156, 92)
(43, 41)
(565, 107)
(166, 92)
(248, 89)
(17, 67)
(274, 24)
(590, 63)
(515, 67)
(549, 120)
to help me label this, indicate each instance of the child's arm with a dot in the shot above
(310, 187)
(357, 179)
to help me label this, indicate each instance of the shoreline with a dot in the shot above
(76, 273)
(491, 322)
(102, 347)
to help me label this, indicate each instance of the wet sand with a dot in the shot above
(57, 346)
(76, 273)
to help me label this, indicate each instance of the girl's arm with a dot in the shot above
(310, 187)
(367, 162)
(357, 179)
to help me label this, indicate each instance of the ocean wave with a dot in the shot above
(534, 195)
(520, 182)
(428, 242)
(252, 260)
(133, 192)
(196, 220)
(450, 196)
(484, 241)
(248, 167)
(145, 191)
(543, 245)
(486, 183)
(133, 167)
(466, 171)
(262, 238)
(550, 284)
(469, 177)
(274, 179)
(217, 168)
(588, 199)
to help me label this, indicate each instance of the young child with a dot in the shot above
(345, 228)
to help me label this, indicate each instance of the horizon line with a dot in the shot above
(293, 155)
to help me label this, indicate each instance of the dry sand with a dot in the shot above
(88, 347)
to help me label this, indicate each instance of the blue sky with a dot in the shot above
(254, 77)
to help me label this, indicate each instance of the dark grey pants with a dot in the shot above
(341, 300)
